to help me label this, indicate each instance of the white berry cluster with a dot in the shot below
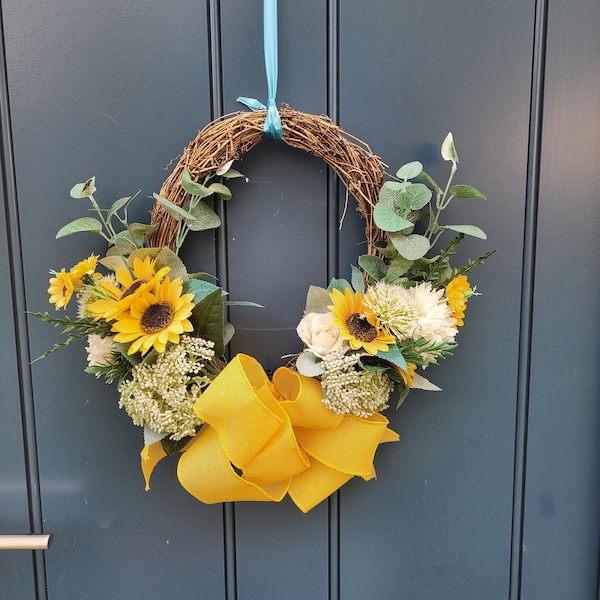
(161, 395)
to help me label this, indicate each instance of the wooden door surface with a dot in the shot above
(492, 492)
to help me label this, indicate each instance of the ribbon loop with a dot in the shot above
(272, 128)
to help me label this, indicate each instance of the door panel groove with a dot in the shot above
(20, 323)
(527, 293)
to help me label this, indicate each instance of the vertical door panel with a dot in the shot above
(442, 504)
(562, 520)
(113, 90)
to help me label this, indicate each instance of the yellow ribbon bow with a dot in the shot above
(262, 440)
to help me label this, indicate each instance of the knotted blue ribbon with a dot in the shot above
(272, 129)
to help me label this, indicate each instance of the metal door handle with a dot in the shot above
(33, 541)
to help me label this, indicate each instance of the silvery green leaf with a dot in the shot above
(221, 190)
(387, 219)
(224, 168)
(85, 189)
(243, 303)
(317, 300)
(309, 365)
(417, 196)
(358, 280)
(472, 230)
(151, 436)
(394, 356)
(338, 284)
(466, 191)
(391, 192)
(175, 211)
(83, 224)
(232, 174)
(449, 150)
(117, 205)
(412, 246)
(113, 262)
(167, 258)
(193, 187)
(203, 217)
(228, 332)
(139, 231)
(409, 170)
(199, 288)
(373, 265)
(420, 383)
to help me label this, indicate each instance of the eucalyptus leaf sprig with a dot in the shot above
(195, 214)
(122, 241)
(402, 204)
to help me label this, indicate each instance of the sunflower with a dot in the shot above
(155, 318)
(118, 298)
(357, 323)
(457, 292)
(63, 284)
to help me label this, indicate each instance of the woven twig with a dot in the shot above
(230, 137)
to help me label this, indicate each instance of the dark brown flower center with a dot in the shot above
(360, 328)
(132, 288)
(157, 317)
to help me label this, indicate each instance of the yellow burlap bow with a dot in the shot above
(263, 439)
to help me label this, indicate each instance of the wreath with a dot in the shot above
(161, 333)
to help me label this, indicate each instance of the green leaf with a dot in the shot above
(387, 219)
(466, 191)
(357, 280)
(394, 356)
(83, 224)
(309, 365)
(85, 189)
(139, 231)
(338, 284)
(243, 303)
(204, 217)
(228, 333)
(175, 211)
(429, 180)
(391, 192)
(467, 230)
(232, 174)
(409, 170)
(317, 300)
(125, 248)
(373, 265)
(207, 319)
(221, 190)
(112, 262)
(398, 267)
(193, 187)
(167, 258)
(117, 205)
(412, 246)
(199, 288)
(172, 447)
(417, 196)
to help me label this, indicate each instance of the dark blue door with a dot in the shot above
(492, 492)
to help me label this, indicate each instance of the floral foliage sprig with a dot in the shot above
(401, 310)
(156, 329)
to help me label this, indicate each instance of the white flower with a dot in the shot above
(394, 307)
(100, 350)
(434, 315)
(320, 336)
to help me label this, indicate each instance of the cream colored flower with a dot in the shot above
(320, 336)
(100, 350)
(434, 315)
(394, 307)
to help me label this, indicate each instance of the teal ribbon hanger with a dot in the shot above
(272, 129)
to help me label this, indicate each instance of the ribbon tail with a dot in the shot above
(151, 455)
(251, 103)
